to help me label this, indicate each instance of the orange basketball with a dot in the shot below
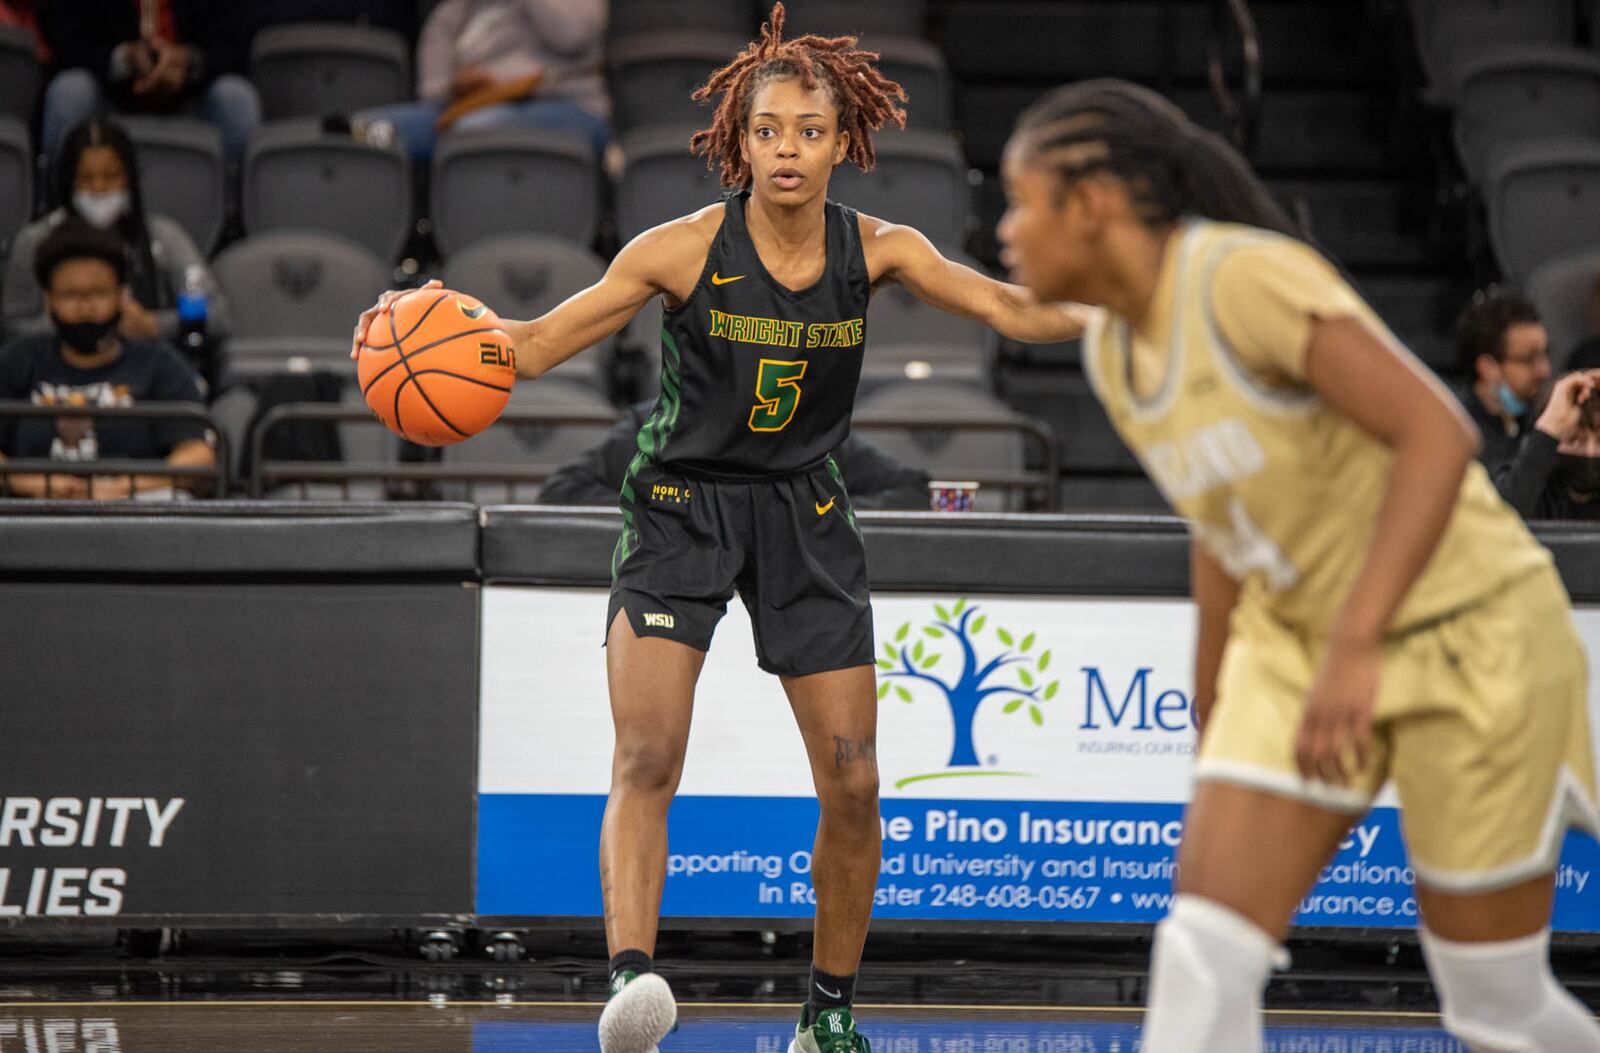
(436, 366)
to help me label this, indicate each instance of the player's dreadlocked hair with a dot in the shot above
(1171, 167)
(865, 97)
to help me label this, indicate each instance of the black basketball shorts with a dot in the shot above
(789, 547)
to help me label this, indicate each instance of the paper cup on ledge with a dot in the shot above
(947, 496)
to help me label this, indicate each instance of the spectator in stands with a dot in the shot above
(497, 63)
(1556, 472)
(1505, 352)
(595, 478)
(96, 179)
(149, 56)
(85, 362)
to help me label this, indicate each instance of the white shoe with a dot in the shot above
(638, 1016)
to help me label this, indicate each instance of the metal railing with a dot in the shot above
(1044, 481)
(1241, 109)
(216, 473)
(267, 474)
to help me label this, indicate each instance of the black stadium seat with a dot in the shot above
(920, 179)
(1524, 92)
(1544, 201)
(20, 75)
(296, 294)
(497, 181)
(296, 175)
(627, 17)
(182, 173)
(16, 180)
(653, 76)
(1563, 288)
(308, 69)
(833, 18)
(661, 180)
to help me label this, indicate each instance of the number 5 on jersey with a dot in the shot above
(777, 394)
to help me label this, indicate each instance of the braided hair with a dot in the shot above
(867, 100)
(1171, 167)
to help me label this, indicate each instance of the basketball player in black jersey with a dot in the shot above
(733, 490)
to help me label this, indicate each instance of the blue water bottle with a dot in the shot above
(192, 311)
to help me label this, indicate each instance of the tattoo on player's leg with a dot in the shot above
(849, 751)
(607, 893)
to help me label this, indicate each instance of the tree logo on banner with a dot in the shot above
(1015, 676)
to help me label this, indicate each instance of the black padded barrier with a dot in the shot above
(1064, 555)
(906, 551)
(245, 715)
(237, 537)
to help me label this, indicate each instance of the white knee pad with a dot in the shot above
(1503, 998)
(1207, 971)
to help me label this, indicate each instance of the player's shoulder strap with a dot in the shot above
(845, 244)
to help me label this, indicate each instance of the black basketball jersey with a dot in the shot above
(758, 380)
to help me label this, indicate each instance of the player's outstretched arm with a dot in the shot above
(903, 254)
(664, 260)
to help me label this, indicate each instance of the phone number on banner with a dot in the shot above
(1022, 897)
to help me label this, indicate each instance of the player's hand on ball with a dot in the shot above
(1337, 727)
(378, 308)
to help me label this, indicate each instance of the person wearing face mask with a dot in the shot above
(96, 180)
(1556, 473)
(1505, 352)
(85, 361)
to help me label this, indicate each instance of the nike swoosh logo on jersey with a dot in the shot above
(823, 510)
(717, 279)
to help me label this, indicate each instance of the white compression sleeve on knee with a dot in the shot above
(1207, 971)
(1503, 998)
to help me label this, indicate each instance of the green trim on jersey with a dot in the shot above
(628, 540)
(657, 430)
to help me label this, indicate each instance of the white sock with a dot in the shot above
(1503, 998)
(1207, 971)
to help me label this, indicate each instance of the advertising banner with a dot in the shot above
(1035, 756)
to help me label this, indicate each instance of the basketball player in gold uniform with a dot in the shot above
(1369, 610)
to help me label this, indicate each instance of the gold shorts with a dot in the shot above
(1482, 722)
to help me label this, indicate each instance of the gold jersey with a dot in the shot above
(1210, 393)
